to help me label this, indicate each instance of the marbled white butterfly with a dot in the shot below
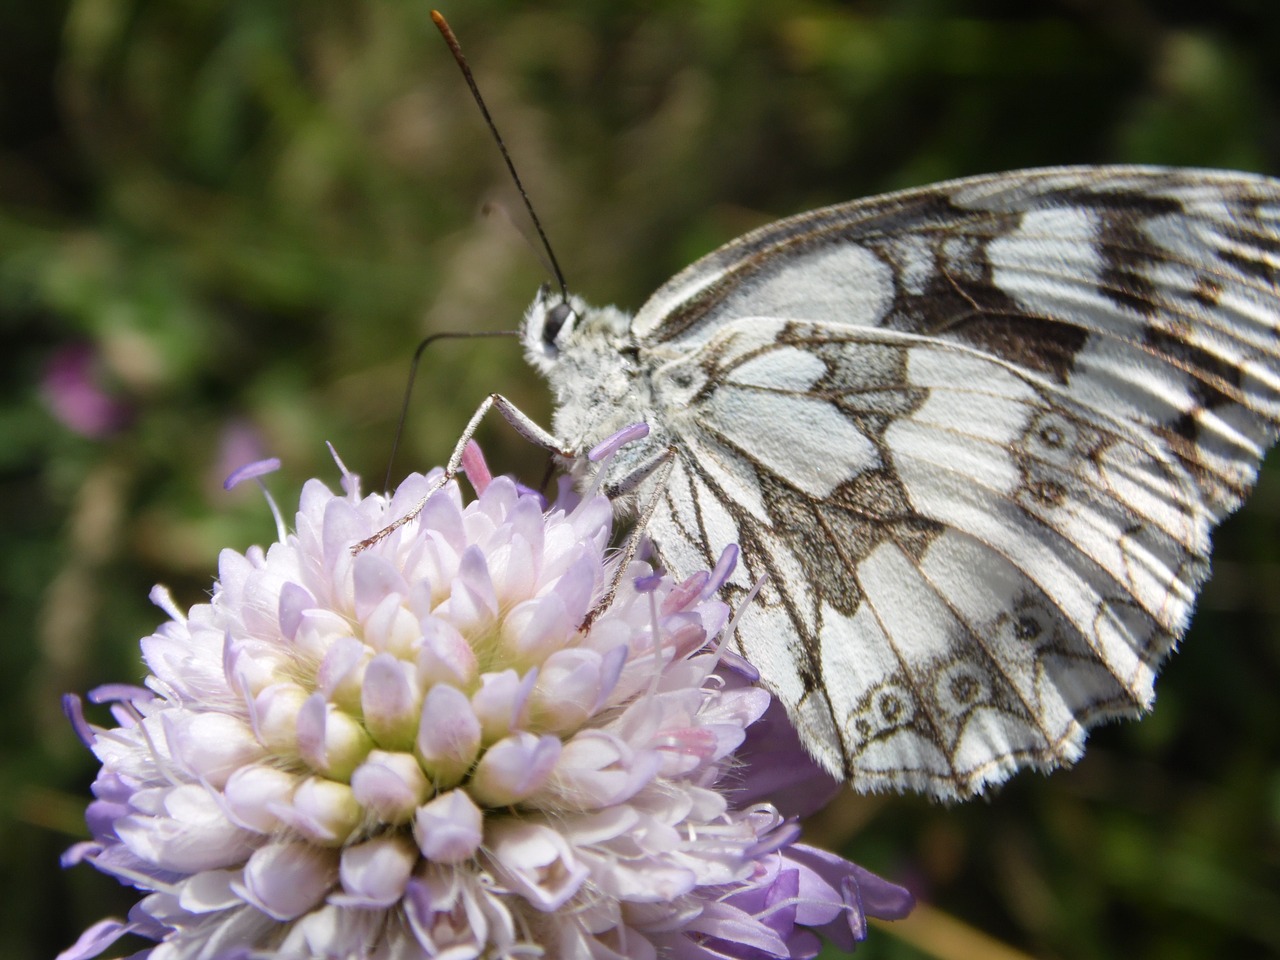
(975, 436)
(971, 438)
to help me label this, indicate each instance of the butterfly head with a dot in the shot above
(554, 325)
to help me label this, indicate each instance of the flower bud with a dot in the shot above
(449, 828)
(323, 810)
(390, 786)
(276, 711)
(500, 702)
(375, 873)
(286, 879)
(391, 702)
(330, 741)
(448, 735)
(513, 768)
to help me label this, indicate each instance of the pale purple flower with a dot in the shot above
(417, 750)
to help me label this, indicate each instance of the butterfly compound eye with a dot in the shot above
(556, 318)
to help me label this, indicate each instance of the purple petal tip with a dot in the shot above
(96, 939)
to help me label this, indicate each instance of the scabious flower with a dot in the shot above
(452, 743)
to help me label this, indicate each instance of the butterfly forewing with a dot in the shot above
(975, 436)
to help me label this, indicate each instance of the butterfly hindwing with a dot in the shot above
(964, 566)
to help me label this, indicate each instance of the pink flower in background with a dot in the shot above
(74, 393)
(419, 750)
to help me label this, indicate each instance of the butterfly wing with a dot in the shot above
(980, 458)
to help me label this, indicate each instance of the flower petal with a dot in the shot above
(536, 861)
(96, 939)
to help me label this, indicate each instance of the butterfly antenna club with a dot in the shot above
(456, 49)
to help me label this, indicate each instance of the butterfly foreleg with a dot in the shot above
(523, 424)
(660, 470)
(520, 421)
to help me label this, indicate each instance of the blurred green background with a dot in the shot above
(241, 216)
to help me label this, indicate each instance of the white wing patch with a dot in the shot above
(809, 443)
(789, 369)
(837, 281)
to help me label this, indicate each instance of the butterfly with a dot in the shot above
(973, 437)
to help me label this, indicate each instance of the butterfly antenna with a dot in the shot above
(413, 373)
(443, 26)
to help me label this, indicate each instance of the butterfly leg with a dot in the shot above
(523, 424)
(520, 421)
(660, 469)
